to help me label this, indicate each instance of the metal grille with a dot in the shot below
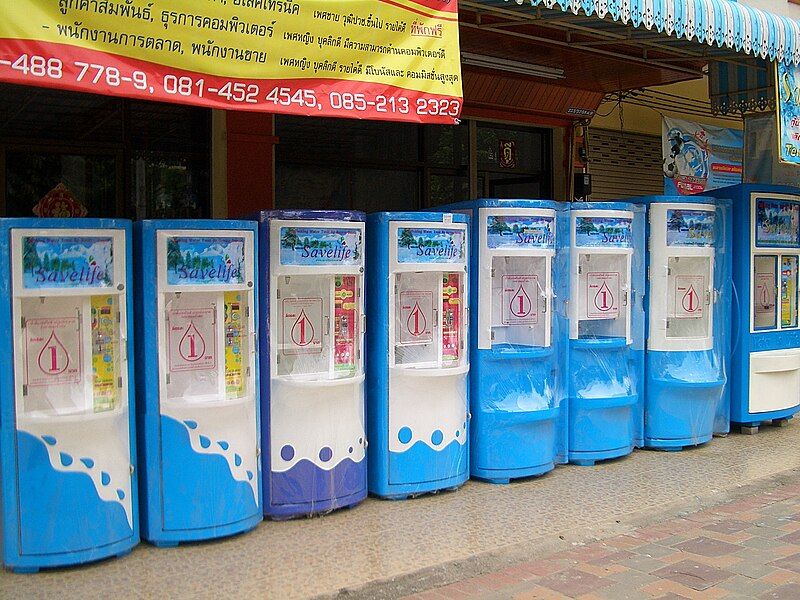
(624, 164)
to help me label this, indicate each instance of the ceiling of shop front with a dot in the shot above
(596, 55)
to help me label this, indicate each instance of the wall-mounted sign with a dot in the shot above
(395, 60)
(508, 154)
(788, 90)
(700, 157)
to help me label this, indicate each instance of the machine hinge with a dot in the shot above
(492, 336)
(278, 293)
(278, 359)
(24, 389)
(247, 372)
(167, 378)
(580, 269)
(119, 382)
(247, 312)
(492, 272)
(119, 317)
(666, 323)
(23, 322)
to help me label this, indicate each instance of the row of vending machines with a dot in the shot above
(271, 359)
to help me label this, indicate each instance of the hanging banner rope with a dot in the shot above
(388, 59)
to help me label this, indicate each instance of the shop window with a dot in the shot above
(118, 157)
(369, 165)
(31, 174)
(513, 161)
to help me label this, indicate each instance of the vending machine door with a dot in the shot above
(73, 458)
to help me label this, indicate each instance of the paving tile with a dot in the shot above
(728, 526)
(790, 591)
(573, 582)
(705, 546)
(643, 563)
(789, 563)
(792, 538)
(745, 586)
(693, 574)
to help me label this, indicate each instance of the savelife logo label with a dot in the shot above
(67, 262)
(321, 246)
(603, 231)
(205, 261)
(423, 245)
(520, 231)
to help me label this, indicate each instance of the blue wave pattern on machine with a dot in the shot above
(198, 421)
(688, 316)
(66, 395)
(518, 344)
(313, 419)
(417, 380)
(606, 362)
(765, 371)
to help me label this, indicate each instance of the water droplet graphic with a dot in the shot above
(521, 304)
(604, 299)
(690, 301)
(53, 358)
(192, 346)
(302, 330)
(416, 322)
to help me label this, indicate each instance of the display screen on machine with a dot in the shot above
(789, 273)
(105, 351)
(345, 324)
(451, 317)
(236, 351)
(764, 292)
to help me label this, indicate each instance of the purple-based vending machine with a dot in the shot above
(312, 364)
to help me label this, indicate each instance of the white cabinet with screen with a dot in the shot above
(682, 294)
(601, 254)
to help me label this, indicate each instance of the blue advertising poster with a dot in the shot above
(205, 261)
(700, 157)
(304, 246)
(67, 262)
(788, 78)
(690, 227)
(777, 223)
(520, 231)
(425, 245)
(606, 232)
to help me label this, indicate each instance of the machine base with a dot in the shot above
(505, 476)
(174, 538)
(752, 427)
(405, 491)
(117, 550)
(589, 459)
(676, 445)
(297, 511)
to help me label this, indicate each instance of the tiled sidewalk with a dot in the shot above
(748, 548)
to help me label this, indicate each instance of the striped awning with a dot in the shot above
(721, 23)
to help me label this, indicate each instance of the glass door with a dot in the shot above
(603, 295)
(689, 280)
(520, 301)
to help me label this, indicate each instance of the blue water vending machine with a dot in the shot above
(417, 343)
(765, 373)
(518, 346)
(606, 361)
(197, 379)
(66, 396)
(312, 361)
(688, 321)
